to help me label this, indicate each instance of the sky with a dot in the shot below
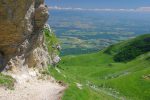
(100, 4)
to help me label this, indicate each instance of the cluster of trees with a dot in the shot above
(133, 50)
(128, 50)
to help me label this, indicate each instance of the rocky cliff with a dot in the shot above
(21, 36)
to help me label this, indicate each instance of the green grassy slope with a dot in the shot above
(104, 79)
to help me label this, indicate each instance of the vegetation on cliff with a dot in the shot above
(52, 44)
(51, 41)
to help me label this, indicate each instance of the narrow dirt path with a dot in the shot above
(33, 89)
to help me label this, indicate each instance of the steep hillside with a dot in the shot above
(98, 77)
(129, 50)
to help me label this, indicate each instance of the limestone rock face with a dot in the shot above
(21, 36)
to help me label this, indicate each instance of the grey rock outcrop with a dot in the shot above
(21, 36)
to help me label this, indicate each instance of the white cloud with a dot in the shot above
(140, 9)
(143, 9)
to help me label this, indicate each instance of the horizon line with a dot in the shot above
(140, 9)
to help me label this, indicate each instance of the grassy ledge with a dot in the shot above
(6, 81)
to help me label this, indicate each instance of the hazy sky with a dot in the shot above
(99, 3)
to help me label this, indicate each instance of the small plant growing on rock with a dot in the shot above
(7, 81)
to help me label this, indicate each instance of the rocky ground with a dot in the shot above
(34, 88)
(22, 47)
